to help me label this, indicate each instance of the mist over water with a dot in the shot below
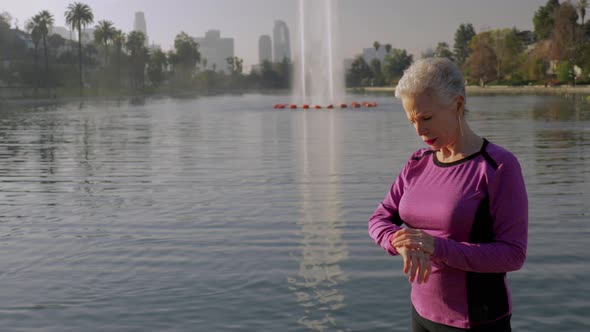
(318, 61)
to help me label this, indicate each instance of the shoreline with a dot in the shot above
(498, 90)
(472, 90)
(25, 95)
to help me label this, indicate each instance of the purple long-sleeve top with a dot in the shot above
(477, 210)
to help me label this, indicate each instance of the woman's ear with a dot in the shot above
(460, 105)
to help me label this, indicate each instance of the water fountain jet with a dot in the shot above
(318, 63)
(319, 78)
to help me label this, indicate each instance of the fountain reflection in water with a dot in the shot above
(319, 66)
(317, 285)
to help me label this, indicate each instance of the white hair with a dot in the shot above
(440, 76)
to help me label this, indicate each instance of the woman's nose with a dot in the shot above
(421, 130)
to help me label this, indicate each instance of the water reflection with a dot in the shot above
(107, 206)
(568, 108)
(316, 285)
(137, 101)
(560, 149)
(75, 149)
(559, 135)
(47, 146)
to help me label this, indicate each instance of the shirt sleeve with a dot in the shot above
(386, 220)
(509, 210)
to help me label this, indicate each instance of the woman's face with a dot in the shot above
(435, 122)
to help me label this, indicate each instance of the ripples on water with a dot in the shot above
(221, 214)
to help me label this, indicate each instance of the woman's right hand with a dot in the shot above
(416, 264)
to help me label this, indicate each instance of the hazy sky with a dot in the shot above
(414, 25)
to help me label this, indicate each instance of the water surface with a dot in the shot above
(222, 214)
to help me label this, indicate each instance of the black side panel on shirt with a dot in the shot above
(486, 292)
(421, 324)
(396, 219)
(487, 156)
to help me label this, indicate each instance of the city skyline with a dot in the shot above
(281, 42)
(414, 26)
(264, 49)
(215, 50)
(139, 24)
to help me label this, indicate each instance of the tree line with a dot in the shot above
(556, 52)
(114, 62)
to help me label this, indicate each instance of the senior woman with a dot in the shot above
(457, 213)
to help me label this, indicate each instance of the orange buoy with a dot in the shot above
(330, 106)
(317, 107)
(343, 105)
(305, 106)
(293, 106)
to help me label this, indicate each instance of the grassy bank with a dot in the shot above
(499, 90)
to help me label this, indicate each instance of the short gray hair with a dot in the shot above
(436, 75)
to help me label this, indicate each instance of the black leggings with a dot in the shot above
(420, 324)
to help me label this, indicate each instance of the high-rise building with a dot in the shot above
(140, 25)
(369, 54)
(282, 43)
(63, 32)
(215, 50)
(87, 36)
(264, 49)
(66, 34)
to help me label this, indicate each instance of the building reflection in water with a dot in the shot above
(316, 285)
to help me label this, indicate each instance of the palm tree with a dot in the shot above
(78, 16)
(138, 56)
(45, 21)
(156, 67)
(118, 39)
(387, 48)
(103, 33)
(34, 28)
(582, 4)
(376, 45)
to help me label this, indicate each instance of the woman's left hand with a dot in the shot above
(414, 239)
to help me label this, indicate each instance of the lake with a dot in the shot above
(223, 214)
